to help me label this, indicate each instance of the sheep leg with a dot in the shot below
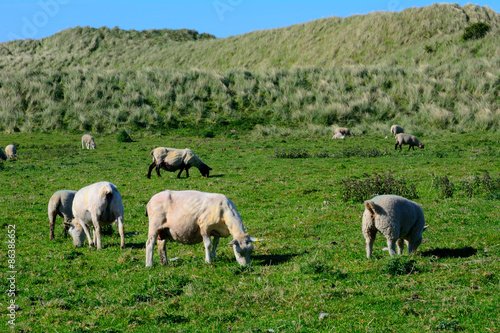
(396, 146)
(52, 219)
(179, 174)
(412, 246)
(150, 245)
(391, 244)
(214, 246)
(370, 235)
(151, 169)
(119, 220)
(208, 245)
(400, 245)
(87, 232)
(187, 172)
(97, 231)
(158, 167)
(162, 251)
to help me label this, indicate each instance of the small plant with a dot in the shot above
(400, 266)
(360, 190)
(448, 325)
(207, 133)
(445, 186)
(292, 153)
(123, 136)
(476, 31)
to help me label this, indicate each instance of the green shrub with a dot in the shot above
(476, 31)
(207, 133)
(123, 136)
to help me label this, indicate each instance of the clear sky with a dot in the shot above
(21, 19)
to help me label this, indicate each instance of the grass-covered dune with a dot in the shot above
(364, 71)
(302, 198)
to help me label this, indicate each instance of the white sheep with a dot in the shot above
(396, 129)
(400, 220)
(88, 142)
(172, 159)
(61, 204)
(338, 136)
(344, 131)
(11, 151)
(406, 139)
(99, 204)
(2, 154)
(192, 217)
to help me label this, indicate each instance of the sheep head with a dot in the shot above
(76, 232)
(205, 170)
(243, 247)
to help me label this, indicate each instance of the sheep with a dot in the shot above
(2, 154)
(406, 139)
(88, 142)
(172, 159)
(61, 204)
(191, 217)
(400, 220)
(396, 129)
(343, 131)
(99, 205)
(338, 136)
(11, 151)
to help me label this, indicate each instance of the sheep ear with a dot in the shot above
(425, 228)
(67, 224)
(255, 239)
(233, 242)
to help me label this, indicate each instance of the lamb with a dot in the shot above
(172, 159)
(2, 154)
(61, 204)
(344, 131)
(406, 139)
(192, 217)
(396, 129)
(99, 205)
(88, 142)
(400, 220)
(11, 151)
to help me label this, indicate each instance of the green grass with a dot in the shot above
(311, 258)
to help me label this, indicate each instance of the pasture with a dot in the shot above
(309, 272)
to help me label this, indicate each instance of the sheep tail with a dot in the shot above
(370, 205)
(106, 191)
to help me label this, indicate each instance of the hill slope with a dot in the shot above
(361, 39)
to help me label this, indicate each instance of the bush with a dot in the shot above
(362, 190)
(400, 266)
(123, 136)
(207, 133)
(476, 31)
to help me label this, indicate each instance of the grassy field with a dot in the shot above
(309, 264)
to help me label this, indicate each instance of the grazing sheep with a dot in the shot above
(172, 159)
(2, 154)
(191, 217)
(406, 139)
(343, 131)
(400, 220)
(396, 129)
(61, 204)
(88, 142)
(338, 136)
(98, 204)
(11, 151)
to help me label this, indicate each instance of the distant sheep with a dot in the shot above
(99, 204)
(61, 204)
(406, 139)
(344, 131)
(400, 220)
(88, 142)
(192, 217)
(396, 129)
(11, 151)
(172, 159)
(338, 136)
(2, 154)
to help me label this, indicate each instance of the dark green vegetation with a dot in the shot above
(365, 72)
(311, 258)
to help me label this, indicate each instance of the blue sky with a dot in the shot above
(21, 19)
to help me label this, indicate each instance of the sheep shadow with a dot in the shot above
(216, 176)
(464, 252)
(135, 245)
(273, 259)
